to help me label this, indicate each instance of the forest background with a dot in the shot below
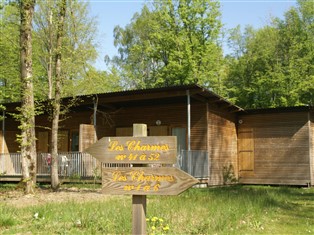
(167, 43)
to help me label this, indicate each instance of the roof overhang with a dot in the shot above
(152, 96)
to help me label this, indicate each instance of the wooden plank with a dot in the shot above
(158, 130)
(146, 181)
(136, 150)
(124, 131)
(87, 136)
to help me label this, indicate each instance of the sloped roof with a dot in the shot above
(160, 96)
(148, 96)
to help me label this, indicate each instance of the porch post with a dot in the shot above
(3, 141)
(95, 116)
(3, 131)
(189, 118)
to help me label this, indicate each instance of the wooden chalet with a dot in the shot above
(217, 141)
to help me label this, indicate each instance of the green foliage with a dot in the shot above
(273, 66)
(9, 53)
(78, 46)
(174, 43)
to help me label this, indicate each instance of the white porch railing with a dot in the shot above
(71, 164)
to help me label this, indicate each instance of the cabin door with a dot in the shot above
(246, 151)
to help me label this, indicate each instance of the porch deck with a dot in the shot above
(77, 166)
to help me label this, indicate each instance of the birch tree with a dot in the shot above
(57, 96)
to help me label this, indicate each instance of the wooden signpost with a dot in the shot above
(140, 179)
(135, 150)
(146, 181)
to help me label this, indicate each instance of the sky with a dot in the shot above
(110, 13)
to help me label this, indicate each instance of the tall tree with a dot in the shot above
(78, 49)
(27, 118)
(57, 96)
(174, 43)
(275, 66)
(10, 77)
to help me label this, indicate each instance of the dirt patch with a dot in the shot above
(16, 198)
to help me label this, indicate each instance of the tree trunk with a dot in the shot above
(27, 118)
(56, 103)
(49, 67)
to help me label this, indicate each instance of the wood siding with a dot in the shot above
(9, 144)
(281, 148)
(172, 115)
(222, 145)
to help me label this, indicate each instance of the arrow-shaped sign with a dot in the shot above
(135, 150)
(146, 181)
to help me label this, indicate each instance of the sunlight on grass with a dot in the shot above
(221, 210)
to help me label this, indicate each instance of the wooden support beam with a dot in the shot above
(139, 201)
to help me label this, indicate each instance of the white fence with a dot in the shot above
(72, 164)
(195, 163)
(78, 164)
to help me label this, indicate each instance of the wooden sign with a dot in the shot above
(135, 150)
(145, 181)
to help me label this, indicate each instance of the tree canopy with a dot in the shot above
(171, 43)
(274, 66)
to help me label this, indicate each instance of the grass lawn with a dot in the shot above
(222, 210)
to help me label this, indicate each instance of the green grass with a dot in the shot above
(221, 210)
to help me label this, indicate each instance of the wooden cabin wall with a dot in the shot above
(171, 115)
(8, 143)
(72, 123)
(278, 146)
(222, 145)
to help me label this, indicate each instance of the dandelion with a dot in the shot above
(156, 226)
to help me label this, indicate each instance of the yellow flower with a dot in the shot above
(166, 228)
(153, 227)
